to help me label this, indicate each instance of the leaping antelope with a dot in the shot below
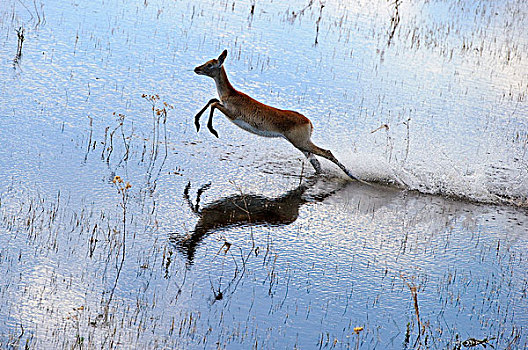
(258, 118)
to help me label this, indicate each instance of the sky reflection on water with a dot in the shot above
(315, 256)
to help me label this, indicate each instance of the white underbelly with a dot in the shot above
(242, 124)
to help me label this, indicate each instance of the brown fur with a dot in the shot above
(260, 115)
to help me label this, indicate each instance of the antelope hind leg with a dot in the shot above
(328, 155)
(315, 163)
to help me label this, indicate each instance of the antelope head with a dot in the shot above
(212, 67)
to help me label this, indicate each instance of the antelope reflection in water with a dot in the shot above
(247, 210)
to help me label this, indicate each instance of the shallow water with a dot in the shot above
(271, 256)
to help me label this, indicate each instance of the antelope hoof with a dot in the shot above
(213, 131)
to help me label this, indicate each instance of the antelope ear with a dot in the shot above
(222, 57)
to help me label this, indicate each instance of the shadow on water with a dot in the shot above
(245, 210)
(249, 210)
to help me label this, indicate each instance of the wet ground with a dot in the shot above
(121, 227)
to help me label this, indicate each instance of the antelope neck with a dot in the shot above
(223, 86)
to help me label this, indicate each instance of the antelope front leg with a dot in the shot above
(199, 114)
(222, 109)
